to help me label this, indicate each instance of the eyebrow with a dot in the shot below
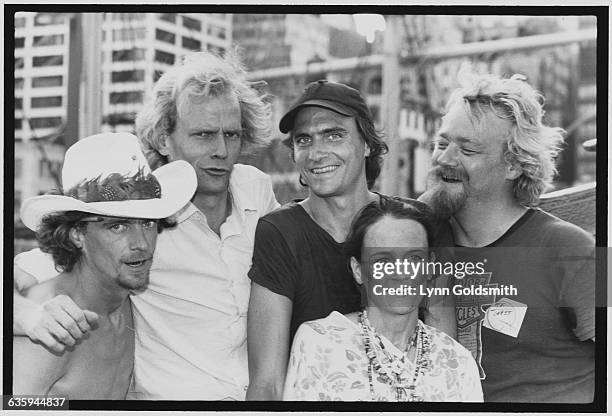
(333, 130)
(460, 139)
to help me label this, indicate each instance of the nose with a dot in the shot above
(221, 147)
(447, 156)
(317, 150)
(140, 238)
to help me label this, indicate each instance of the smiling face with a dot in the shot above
(329, 152)
(119, 250)
(468, 160)
(389, 241)
(208, 135)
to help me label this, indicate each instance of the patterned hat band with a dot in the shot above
(117, 187)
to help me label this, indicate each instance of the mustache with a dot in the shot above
(444, 171)
(137, 257)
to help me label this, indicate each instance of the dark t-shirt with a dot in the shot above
(551, 265)
(296, 258)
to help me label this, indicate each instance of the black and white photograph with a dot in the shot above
(305, 208)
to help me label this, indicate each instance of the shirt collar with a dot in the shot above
(239, 202)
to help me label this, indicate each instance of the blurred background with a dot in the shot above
(79, 74)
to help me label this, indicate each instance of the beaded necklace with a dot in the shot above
(389, 369)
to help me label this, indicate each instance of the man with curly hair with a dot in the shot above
(493, 158)
(101, 232)
(191, 321)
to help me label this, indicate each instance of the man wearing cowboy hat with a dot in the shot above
(191, 321)
(101, 231)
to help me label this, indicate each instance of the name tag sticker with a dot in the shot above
(505, 316)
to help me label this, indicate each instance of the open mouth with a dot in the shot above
(136, 264)
(451, 178)
(324, 169)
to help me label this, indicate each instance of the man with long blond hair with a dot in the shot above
(493, 158)
(191, 321)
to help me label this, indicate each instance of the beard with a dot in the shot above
(445, 198)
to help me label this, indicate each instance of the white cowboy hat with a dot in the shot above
(107, 174)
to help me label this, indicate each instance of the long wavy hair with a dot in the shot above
(531, 145)
(203, 74)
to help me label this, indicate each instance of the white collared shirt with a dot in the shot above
(191, 321)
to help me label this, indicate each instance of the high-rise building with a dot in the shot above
(139, 47)
(135, 49)
(278, 40)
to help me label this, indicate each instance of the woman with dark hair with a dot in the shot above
(383, 353)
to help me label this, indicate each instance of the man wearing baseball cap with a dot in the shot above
(101, 231)
(299, 269)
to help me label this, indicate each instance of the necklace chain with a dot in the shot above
(388, 369)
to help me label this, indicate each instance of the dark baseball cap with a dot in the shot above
(334, 96)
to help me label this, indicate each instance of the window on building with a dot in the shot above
(157, 75)
(19, 63)
(44, 102)
(164, 36)
(127, 76)
(18, 169)
(192, 24)
(18, 103)
(133, 54)
(164, 57)
(120, 118)
(216, 31)
(168, 17)
(18, 124)
(18, 83)
(51, 81)
(129, 34)
(375, 86)
(45, 19)
(126, 97)
(19, 42)
(191, 44)
(19, 22)
(48, 40)
(45, 122)
(51, 60)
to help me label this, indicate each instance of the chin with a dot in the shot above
(323, 190)
(445, 199)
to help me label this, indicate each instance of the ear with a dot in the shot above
(76, 237)
(164, 149)
(513, 172)
(356, 269)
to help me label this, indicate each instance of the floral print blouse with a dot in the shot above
(328, 362)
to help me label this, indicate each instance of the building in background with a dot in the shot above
(565, 74)
(135, 49)
(138, 47)
(289, 51)
(278, 40)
